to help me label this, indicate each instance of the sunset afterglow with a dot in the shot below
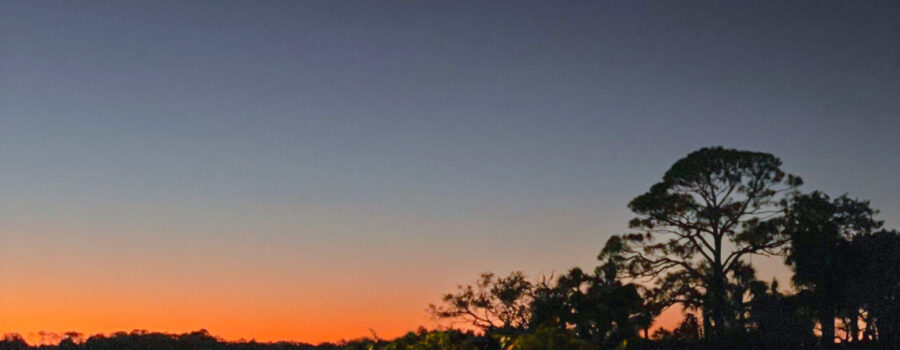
(318, 171)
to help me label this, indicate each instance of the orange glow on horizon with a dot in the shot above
(230, 315)
(224, 325)
(231, 326)
(241, 287)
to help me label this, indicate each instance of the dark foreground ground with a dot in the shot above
(421, 340)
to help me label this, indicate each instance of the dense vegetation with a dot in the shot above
(690, 243)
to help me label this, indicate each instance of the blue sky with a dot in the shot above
(409, 143)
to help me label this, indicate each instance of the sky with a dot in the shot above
(311, 170)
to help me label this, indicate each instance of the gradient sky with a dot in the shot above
(310, 170)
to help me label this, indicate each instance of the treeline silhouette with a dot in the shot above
(140, 339)
(689, 244)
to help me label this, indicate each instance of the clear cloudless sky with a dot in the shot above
(308, 170)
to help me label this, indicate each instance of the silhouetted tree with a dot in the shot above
(689, 329)
(819, 229)
(872, 270)
(780, 321)
(13, 341)
(596, 307)
(738, 291)
(712, 209)
(492, 303)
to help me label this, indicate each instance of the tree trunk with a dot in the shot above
(854, 328)
(717, 290)
(707, 323)
(826, 318)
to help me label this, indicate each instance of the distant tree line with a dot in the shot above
(689, 244)
(139, 339)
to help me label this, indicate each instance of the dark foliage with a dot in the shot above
(872, 267)
(596, 307)
(845, 266)
(495, 304)
(693, 229)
